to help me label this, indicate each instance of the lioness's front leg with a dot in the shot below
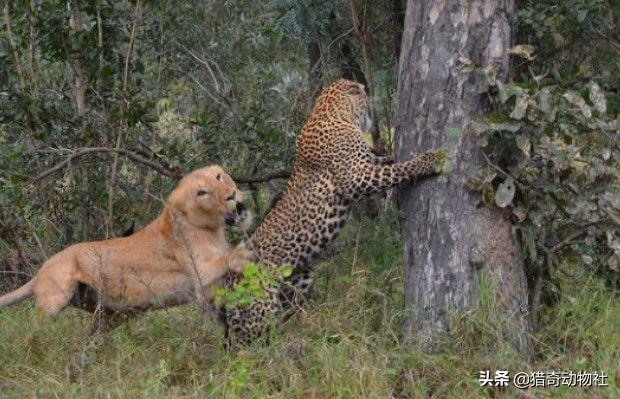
(240, 256)
(207, 272)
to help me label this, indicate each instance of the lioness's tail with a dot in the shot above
(19, 294)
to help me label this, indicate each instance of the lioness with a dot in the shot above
(169, 262)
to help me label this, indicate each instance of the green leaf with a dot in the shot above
(287, 271)
(523, 50)
(524, 144)
(576, 99)
(520, 108)
(250, 270)
(597, 97)
(511, 127)
(505, 193)
(477, 180)
(506, 91)
(544, 104)
(519, 214)
(487, 194)
(581, 15)
(489, 75)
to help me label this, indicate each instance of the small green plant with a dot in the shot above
(256, 282)
(156, 383)
(239, 377)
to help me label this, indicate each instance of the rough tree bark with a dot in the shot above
(448, 240)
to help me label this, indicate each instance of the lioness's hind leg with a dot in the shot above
(53, 292)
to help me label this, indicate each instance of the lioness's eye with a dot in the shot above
(202, 192)
(218, 177)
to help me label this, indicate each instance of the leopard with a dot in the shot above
(333, 167)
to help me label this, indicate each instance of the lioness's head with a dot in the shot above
(208, 198)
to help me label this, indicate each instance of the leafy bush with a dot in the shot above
(257, 281)
(551, 164)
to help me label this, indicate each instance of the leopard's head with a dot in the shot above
(344, 99)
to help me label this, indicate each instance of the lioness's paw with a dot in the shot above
(241, 256)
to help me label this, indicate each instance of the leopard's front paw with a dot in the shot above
(444, 162)
(440, 160)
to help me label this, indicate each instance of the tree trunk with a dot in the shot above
(448, 239)
(80, 88)
(359, 29)
(398, 21)
(315, 71)
(13, 45)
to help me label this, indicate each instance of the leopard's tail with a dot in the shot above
(18, 295)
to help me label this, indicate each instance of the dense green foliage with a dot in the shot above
(552, 144)
(104, 103)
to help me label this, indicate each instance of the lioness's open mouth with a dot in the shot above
(230, 218)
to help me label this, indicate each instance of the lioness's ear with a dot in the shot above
(177, 200)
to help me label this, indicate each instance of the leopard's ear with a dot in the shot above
(355, 89)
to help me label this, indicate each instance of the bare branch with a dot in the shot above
(80, 88)
(92, 150)
(501, 171)
(32, 47)
(280, 174)
(132, 38)
(13, 45)
(120, 131)
(164, 170)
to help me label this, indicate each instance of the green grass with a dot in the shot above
(344, 344)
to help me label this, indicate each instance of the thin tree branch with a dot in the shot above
(132, 38)
(167, 171)
(92, 150)
(280, 174)
(13, 45)
(32, 47)
(362, 36)
(501, 171)
(120, 130)
(80, 88)
(160, 60)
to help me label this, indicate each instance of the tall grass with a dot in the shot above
(345, 343)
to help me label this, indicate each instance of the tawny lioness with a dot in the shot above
(169, 262)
